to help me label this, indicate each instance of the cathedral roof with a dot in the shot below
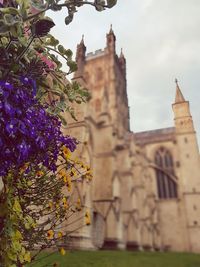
(154, 136)
(179, 96)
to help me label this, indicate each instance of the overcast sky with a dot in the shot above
(161, 42)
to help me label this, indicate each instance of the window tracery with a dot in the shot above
(166, 186)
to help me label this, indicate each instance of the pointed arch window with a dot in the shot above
(166, 185)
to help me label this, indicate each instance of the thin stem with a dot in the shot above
(24, 51)
(56, 52)
(67, 5)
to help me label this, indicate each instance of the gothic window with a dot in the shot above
(166, 186)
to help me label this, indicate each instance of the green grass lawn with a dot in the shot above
(120, 259)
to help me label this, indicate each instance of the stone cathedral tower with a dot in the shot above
(146, 189)
(189, 170)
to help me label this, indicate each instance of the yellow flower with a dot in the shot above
(62, 251)
(50, 234)
(87, 168)
(27, 257)
(39, 173)
(81, 164)
(69, 184)
(18, 235)
(87, 218)
(50, 205)
(73, 172)
(34, 225)
(65, 149)
(64, 202)
(60, 234)
(89, 177)
(62, 173)
(66, 152)
(23, 168)
(65, 178)
(65, 205)
(78, 204)
(77, 161)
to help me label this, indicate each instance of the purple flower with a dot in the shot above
(27, 132)
(11, 127)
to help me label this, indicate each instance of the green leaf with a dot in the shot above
(14, 31)
(61, 49)
(3, 27)
(23, 40)
(27, 225)
(23, 8)
(38, 5)
(16, 206)
(29, 220)
(50, 1)
(72, 113)
(29, 183)
(3, 209)
(72, 65)
(12, 255)
(14, 67)
(111, 3)
(23, 3)
(18, 235)
(21, 258)
(48, 41)
(63, 120)
(68, 19)
(11, 20)
(69, 53)
(16, 245)
(99, 5)
(23, 252)
(9, 10)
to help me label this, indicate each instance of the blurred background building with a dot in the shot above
(145, 192)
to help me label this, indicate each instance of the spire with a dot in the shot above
(82, 40)
(179, 96)
(80, 51)
(111, 29)
(122, 59)
(111, 40)
(121, 54)
(80, 57)
(122, 63)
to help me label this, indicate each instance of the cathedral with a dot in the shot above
(145, 193)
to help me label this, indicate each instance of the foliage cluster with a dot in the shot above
(36, 162)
